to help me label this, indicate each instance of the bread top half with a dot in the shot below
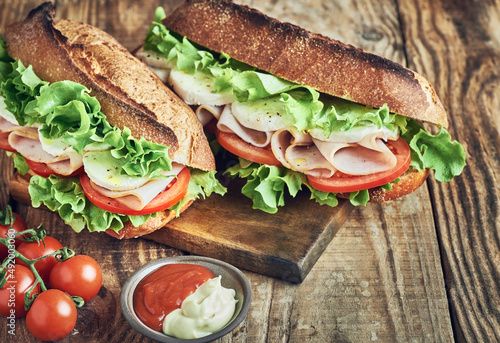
(297, 55)
(129, 93)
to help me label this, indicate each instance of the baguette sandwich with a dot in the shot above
(300, 110)
(95, 134)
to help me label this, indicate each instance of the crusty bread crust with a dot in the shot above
(410, 181)
(306, 58)
(151, 225)
(129, 93)
(19, 190)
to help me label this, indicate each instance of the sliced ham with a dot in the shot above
(355, 159)
(7, 126)
(228, 123)
(296, 151)
(206, 113)
(26, 142)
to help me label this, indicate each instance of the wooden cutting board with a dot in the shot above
(284, 245)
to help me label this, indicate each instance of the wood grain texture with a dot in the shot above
(424, 268)
(462, 47)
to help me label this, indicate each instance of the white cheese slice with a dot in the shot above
(267, 114)
(355, 134)
(198, 89)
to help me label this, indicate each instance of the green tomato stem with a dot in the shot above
(34, 236)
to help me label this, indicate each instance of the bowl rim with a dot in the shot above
(128, 288)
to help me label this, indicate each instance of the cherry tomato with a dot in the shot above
(239, 147)
(4, 142)
(52, 315)
(33, 250)
(19, 280)
(6, 231)
(174, 192)
(79, 276)
(342, 183)
(44, 170)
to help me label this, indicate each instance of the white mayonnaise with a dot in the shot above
(205, 311)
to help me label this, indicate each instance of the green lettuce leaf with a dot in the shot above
(359, 198)
(67, 112)
(65, 196)
(20, 164)
(201, 185)
(435, 152)
(5, 60)
(266, 185)
(136, 158)
(19, 88)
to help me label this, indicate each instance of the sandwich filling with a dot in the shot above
(289, 135)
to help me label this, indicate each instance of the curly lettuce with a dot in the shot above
(66, 196)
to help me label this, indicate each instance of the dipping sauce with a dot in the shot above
(202, 313)
(165, 289)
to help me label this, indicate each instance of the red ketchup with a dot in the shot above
(164, 290)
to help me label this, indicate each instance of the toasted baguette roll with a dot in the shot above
(129, 93)
(306, 58)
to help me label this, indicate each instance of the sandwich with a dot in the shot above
(95, 135)
(299, 110)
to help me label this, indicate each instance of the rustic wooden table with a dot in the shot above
(425, 268)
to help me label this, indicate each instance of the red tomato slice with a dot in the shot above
(44, 170)
(239, 147)
(174, 192)
(343, 183)
(4, 142)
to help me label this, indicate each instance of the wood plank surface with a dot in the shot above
(461, 52)
(425, 268)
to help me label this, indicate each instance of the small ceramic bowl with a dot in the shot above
(231, 278)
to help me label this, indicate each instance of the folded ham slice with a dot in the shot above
(228, 123)
(296, 151)
(26, 141)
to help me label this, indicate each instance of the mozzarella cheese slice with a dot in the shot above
(198, 89)
(228, 123)
(138, 198)
(156, 62)
(267, 114)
